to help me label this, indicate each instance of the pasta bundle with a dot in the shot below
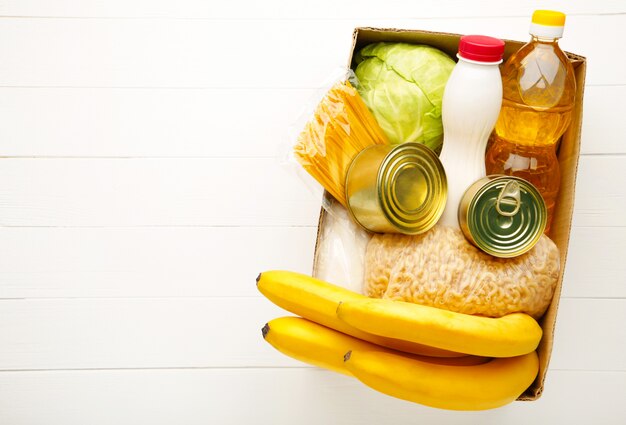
(342, 127)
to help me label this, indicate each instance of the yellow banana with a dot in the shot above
(317, 300)
(507, 336)
(311, 343)
(320, 346)
(479, 387)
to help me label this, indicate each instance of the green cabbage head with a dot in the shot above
(402, 84)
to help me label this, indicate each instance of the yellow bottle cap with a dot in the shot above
(550, 18)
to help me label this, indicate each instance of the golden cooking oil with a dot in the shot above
(539, 89)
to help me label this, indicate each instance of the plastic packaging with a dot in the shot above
(341, 249)
(341, 126)
(539, 90)
(471, 103)
(442, 269)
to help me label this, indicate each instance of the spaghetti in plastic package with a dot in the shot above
(333, 128)
(341, 248)
(442, 269)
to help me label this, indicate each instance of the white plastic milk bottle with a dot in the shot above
(471, 104)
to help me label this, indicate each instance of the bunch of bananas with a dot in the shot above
(422, 354)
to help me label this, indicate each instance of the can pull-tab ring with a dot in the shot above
(509, 196)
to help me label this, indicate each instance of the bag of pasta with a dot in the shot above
(339, 128)
(442, 269)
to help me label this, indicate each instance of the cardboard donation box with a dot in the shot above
(568, 153)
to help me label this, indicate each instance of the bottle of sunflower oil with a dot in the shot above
(538, 98)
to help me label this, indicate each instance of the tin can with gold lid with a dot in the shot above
(503, 216)
(396, 189)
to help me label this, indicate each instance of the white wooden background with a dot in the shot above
(140, 195)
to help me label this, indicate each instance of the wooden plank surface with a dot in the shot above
(141, 192)
(226, 332)
(62, 262)
(284, 9)
(153, 192)
(278, 397)
(147, 262)
(147, 122)
(184, 122)
(194, 54)
(217, 192)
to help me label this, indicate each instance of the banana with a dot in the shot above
(479, 387)
(507, 336)
(320, 346)
(317, 300)
(311, 343)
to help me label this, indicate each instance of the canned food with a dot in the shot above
(503, 216)
(396, 189)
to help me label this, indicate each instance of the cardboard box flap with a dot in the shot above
(363, 36)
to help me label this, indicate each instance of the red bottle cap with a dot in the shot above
(481, 48)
